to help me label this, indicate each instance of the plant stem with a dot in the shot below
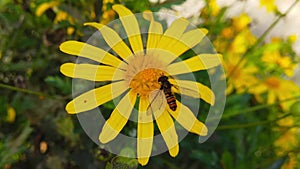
(25, 90)
(237, 126)
(255, 108)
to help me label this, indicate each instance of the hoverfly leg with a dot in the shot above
(148, 110)
(161, 103)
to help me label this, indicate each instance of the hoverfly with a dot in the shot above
(166, 88)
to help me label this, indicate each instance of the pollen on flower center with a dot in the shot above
(272, 82)
(146, 81)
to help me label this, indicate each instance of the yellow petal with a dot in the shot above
(144, 142)
(157, 101)
(258, 89)
(173, 34)
(194, 89)
(144, 116)
(131, 27)
(112, 39)
(148, 15)
(187, 41)
(154, 33)
(88, 51)
(11, 114)
(185, 117)
(196, 63)
(118, 118)
(193, 37)
(145, 132)
(271, 97)
(175, 42)
(161, 55)
(44, 7)
(159, 45)
(143, 161)
(96, 97)
(269, 4)
(60, 16)
(167, 129)
(92, 72)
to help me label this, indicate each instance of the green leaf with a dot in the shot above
(108, 166)
(127, 152)
(141, 6)
(120, 162)
(64, 85)
(227, 160)
(65, 127)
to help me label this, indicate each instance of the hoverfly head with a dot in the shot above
(162, 78)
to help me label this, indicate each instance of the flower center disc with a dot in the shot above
(273, 82)
(146, 81)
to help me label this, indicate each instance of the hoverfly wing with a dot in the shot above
(194, 90)
(188, 91)
(157, 102)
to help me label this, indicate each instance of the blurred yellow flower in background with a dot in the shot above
(288, 141)
(135, 72)
(45, 6)
(11, 114)
(277, 89)
(60, 14)
(237, 38)
(275, 61)
(242, 42)
(214, 7)
(269, 4)
(240, 76)
(108, 14)
(227, 32)
(241, 22)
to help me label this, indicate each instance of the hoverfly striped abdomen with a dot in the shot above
(166, 87)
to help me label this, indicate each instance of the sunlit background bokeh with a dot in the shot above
(260, 43)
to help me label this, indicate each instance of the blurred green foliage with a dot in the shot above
(36, 132)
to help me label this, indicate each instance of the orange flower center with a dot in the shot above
(146, 81)
(227, 33)
(272, 82)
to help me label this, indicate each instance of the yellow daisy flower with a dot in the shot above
(269, 4)
(241, 22)
(275, 60)
(214, 7)
(242, 42)
(60, 15)
(287, 141)
(240, 76)
(132, 68)
(277, 89)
